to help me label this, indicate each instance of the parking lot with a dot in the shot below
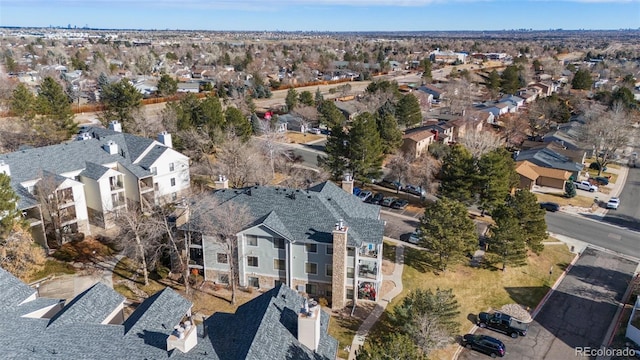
(577, 314)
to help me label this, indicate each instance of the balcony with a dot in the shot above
(65, 198)
(368, 250)
(146, 185)
(368, 269)
(116, 185)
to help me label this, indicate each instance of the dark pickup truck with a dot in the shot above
(502, 323)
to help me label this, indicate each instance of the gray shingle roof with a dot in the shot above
(152, 156)
(92, 306)
(550, 159)
(94, 171)
(267, 328)
(264, 328)
(299, 215)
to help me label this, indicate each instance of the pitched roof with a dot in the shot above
(13, 291)
(94, 171)
(163, 310)
(91, 306)
(267, 328)
(419, 135)
(548, 158)
(299, 215)
(525, 168)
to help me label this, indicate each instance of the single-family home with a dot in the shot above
(433, 90)
(531, 175)
(323, 241)
(93, 178)
(516, 101)
(548, 158)
(417, 142)
(189, 87)
(278, 324)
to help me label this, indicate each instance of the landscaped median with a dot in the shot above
(479, 289)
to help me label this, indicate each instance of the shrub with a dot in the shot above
(323, 302)
(162, 271)
(66, 253)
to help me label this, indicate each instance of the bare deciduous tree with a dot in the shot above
(399, 165)
(481, 142)
(212, 218)
(19, 256)
(430, 334)
(423, 171)
(241, 163)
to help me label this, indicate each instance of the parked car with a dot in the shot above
(356, 191)
(485, 344)
(414, 238)
(315, 131)
(550, 206)
(585, 185)
(415, 190)
(601, 180)
(503, 323)
(365, 195)
(388, 201)
(395, 185)
(613, 203)
(400, 204)
(376, 199)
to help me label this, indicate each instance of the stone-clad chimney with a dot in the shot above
(347, 183)
(339, 278)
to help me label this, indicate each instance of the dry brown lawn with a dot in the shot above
(560, 199)
(299, 138)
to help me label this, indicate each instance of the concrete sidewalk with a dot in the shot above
(381, 305)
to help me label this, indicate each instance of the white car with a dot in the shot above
(613, 203)
(585, 185)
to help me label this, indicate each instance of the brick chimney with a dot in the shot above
(339, 278)
(347, 183)
(309, 326)
(222, 183)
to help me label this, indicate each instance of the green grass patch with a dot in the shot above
(52, 267)
(124, 291)
(594, 173)
(389, 251)
(343, 329)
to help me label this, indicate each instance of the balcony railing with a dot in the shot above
(368, 250)
(368, 270)
(118, 185)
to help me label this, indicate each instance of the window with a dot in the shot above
(252, 240)
(171, 167)
(329, 270)
(252, 261)
(311, 268)
(154, 170)
(311, 289)
(278, 243)
(349, 273)
(254, 282)
(173, 181)
(329, 250)
(222, 258)
(278, 264)
(349, 293)
(223, 278)
(351, 251)
(311, 248)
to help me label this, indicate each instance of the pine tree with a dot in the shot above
(408, 111)
(103, 81)
(167, 85)
(8, 205)
(507, 240)
(391, 346)
(530, 217)
(364, 148)
(390, 134)
(318, 97)
(292, 99)
(569, 189)
(330, 115)
(238, 123)
(53, 103)
(23, 103)
(256, 126)
(306, 98)
(582, 80)
(447, 232)
(457, 175)
(336, 160)
(493, 82)
(426, 72)
(496, 177)
(120, 100)
(212, 114)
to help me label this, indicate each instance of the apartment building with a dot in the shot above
(66, 187)
(322, 241)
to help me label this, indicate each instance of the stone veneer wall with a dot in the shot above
(338, 283)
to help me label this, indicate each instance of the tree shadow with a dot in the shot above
(473, 318)
(419, 259)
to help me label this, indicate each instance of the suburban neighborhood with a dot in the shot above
(294, 195)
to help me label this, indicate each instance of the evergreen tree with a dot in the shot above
(238, 123)
(506, 240)
(364, 148)
(530, 218)
(330, 115)
(496, 177)
(582, 80)
(167, 85)
(511, 80)
(336, 160)
(569, 189)
(306, 98)
(292, 99)
(426, 72)
(120, 100)
(390, 134)
(103, 81)
(390, 347)
(493, 82)
(408, 111)
(318, 97)
(256, 126)
(23, 103)
(53, 103)
(212, 114)
(188, 113)
(457, 175)
(447, 232)
(8, 206)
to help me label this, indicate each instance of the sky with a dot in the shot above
(324, 15)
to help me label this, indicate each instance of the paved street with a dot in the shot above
(577, 314)
(628, 214)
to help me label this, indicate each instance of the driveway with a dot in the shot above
(577, 314)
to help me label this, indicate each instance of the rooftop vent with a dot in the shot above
(184, 337)
(115, 126)
(83, 136)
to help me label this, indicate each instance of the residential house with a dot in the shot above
(350, 109)
(278, 324)
(448, 57)
(432, 90)
(189, 87)
(568, 135)
(548, 158)
(577, 155)
(473, 122)
(323, 241)
(94, 177)
(515, 101)
(292, 122)
(417, 142)
(531, 175)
